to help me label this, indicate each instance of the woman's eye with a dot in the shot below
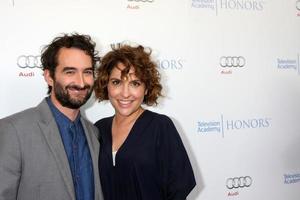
(115, 82)
(136, 83)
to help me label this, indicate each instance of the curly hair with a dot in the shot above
(49, 56)
(136, 57)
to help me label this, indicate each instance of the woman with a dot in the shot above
(142, 155)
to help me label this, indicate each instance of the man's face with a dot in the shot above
(73, 80)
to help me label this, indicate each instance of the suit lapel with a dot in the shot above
(93, 142)
(52, 136)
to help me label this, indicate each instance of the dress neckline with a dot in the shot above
(131, 135)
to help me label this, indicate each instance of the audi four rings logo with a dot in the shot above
(238, 182)
(232, 61)
(150, 1)
(298, 5)
(29, 61)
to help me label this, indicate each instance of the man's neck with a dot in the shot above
(68, 112)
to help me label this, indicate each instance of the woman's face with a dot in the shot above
(126, 95)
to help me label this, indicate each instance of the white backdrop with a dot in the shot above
(235, 121)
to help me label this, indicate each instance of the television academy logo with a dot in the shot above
(289, 64)
(115, 45)
(204, 4)
(228, 63)
(291, 178)
(222, 126)
(229, 5)
(244, 5)
(162, 63)
(171, 64)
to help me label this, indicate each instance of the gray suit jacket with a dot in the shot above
(33, 162)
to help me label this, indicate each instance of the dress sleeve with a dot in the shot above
(175, 167)
(10, 161)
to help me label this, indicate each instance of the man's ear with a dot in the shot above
(48, 77)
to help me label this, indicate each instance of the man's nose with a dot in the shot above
(80, 80)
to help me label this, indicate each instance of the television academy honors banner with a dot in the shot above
(230, 71)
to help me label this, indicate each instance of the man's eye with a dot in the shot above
(89, 72)
(69, 72)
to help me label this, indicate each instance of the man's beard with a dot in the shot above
(64, 98)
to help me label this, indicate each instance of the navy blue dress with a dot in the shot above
(151, 164)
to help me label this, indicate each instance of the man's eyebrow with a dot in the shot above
(69, 68)
(89, 68)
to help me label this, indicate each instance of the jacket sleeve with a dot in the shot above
(10, 161)
(176, 169)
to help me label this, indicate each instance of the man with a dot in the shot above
(50, 151)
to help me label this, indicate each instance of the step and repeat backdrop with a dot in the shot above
(230, 71)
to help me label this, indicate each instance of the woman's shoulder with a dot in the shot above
(163, 126)
(158, 117)
(103, 122)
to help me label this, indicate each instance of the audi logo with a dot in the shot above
(298, 5)
(150, 1)
(238, 182)
(232, 61)
(29, 61)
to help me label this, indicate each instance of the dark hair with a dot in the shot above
(139, 59)
(49, 57)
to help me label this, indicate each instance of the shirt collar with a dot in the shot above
(59, 116)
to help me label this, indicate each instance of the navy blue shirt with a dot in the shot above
(78, 153)
(151, 164)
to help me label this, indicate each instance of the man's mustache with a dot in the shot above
(77, 87)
